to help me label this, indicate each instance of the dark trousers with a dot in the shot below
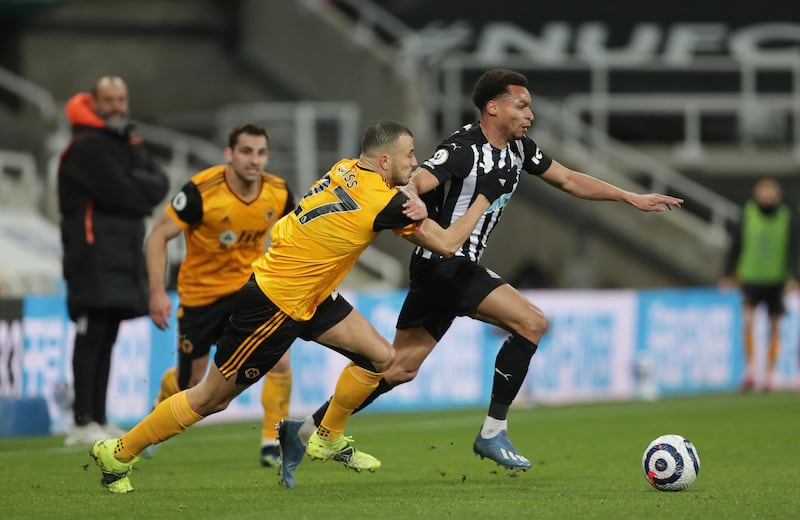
(91, 363)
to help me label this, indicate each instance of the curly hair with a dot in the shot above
(494, 83)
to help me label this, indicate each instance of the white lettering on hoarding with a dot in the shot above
(10, 358)
(689, 345)
(130, 371)
(587, 352)
(676, 44)
(47, 360)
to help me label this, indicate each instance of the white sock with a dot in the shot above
(268, 442)
(307, 429)
(491, 427)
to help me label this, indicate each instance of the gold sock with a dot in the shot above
(352, 388)
(169, 384)
(275, 399)
(121, 453)
(325, 434)
(169, 418)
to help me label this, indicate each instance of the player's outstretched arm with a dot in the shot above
(587, 187)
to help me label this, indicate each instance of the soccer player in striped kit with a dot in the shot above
(443, 288)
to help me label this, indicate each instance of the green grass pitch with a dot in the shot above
(586, 465)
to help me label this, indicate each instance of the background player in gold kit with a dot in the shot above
(224, 213)
(292, 294)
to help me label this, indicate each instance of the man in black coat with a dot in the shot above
(106, 187)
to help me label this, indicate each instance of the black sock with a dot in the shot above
(382, 388)
(511, 367)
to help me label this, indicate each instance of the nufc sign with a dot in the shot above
(673, 44)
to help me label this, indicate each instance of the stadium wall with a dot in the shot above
(601, 346)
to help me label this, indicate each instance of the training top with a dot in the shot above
(316, 245)
(224, 234)
(457, 163)
(765, 246)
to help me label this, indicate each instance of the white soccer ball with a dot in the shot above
(671, 463)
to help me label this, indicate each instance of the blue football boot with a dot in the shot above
(292, 450)
(500, 450)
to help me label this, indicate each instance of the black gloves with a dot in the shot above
(498, 183)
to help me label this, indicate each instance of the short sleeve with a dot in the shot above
(392, 217)
(535, 161)
(186, 207)
(451, 160)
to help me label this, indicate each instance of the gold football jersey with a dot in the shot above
(315, 246)
(223, 233)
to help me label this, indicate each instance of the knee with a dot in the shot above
(399, 374)
(204, 403)
(222, 405)
(404, 369)
(282, 366)
(194, 380)
(213, 406)
(533, 326)
(383, 361)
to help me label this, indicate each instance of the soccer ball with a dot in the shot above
(671, 463)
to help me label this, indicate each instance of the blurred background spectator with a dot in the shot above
(107, 185)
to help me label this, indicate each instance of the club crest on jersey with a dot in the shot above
(185, 345)
(227, 238)
(252, 373)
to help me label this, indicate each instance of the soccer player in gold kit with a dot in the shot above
(292, 294)
(224, 213)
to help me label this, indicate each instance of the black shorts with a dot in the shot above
(441, 289)
(259, 333)
(200, 327)
(772, 295)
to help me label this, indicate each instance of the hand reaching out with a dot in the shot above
(655, 202)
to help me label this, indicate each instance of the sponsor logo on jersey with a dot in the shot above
(227, 238)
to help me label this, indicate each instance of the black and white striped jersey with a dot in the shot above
(457, 163)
